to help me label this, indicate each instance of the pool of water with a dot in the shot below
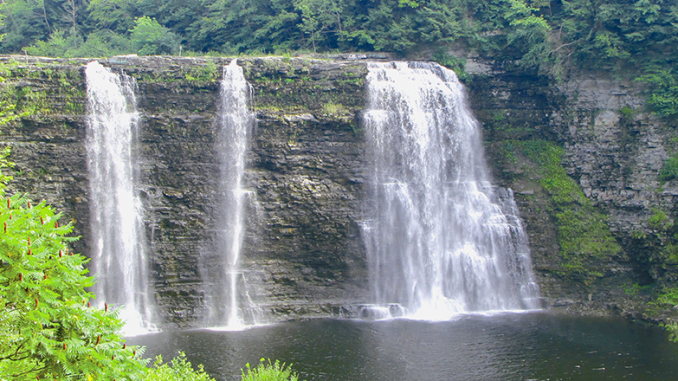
(530, 346)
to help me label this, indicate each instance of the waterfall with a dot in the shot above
(442, 240)
(227, 300)
(118, 256)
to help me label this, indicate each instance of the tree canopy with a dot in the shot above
(545, 33)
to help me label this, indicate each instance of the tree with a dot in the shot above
(663, 94)
(318, 17)
(149, 37)
(115, 15)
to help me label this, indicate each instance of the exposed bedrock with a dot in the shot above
(303, 254)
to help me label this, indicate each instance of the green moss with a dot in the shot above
(584, 237)
(453, 63)
(670, 169)
(334, 109)
(203, 73)
(658, 220)
(64, 92)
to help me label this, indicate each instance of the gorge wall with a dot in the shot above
(303, 253)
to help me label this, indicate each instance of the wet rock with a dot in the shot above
(303, 253)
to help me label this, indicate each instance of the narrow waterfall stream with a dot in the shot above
(442, 241)
(118, 245)
(227, 300)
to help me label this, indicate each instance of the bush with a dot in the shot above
(663, 96)
(180, 369)
(269, 372)
(670, 169)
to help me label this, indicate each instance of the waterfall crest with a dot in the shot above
(442, 241)
(118, 245)
(227, 300)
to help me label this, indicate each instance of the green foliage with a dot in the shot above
(635, 36)
(529, 35)
(98, 44)
(553, 176)
(269, 372)
(627, 112)
(453, 63)
(48, 329)
(633, 289)
(659, 220)
(203, 73)
(668, 297)
(56, 46)
(334, 109)
(318, 17)
(663, 94)
(669, 170)
(149, 37)
(180, 369)
(19, 100)
(114, 15)
(408, 3)
(673, 331)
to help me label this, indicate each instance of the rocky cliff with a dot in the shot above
(303, 253)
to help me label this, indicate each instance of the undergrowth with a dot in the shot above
(180, 369)
(267, 371)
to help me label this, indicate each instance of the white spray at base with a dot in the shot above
(118, 246)
(229, 306)
(441, 241)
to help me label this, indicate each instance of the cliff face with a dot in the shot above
(303, 253)
(613, 149)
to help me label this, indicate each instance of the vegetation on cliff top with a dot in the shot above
(550, 34)
(633, 38)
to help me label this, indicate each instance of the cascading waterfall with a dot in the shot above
(442, 241)
(118, 244)
(228, 302)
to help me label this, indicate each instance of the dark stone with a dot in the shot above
(303, 251)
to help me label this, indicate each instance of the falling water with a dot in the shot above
(118, 256)
(442, 241)
(228, 302)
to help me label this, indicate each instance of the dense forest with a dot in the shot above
(633, 35)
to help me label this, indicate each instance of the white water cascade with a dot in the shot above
(118, 245)
(227, 300)
(442, 240)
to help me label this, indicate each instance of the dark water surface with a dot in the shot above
(534, 346)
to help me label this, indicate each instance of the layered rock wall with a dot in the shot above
(303, 254)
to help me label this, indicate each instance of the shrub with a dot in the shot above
(180, 369)
(269, 372)
(47, 328)
(670, 169)
(663, 96)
